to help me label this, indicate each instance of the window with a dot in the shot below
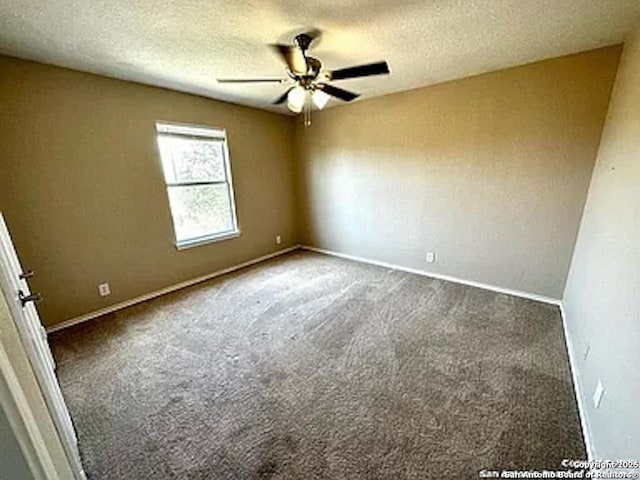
(195, 161)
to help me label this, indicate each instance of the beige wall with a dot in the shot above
(489, 172)
(82, 190)
(602, 298)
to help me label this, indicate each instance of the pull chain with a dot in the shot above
(307, 112)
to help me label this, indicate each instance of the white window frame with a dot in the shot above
(203, 131)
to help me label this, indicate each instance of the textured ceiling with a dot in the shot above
(186, 44)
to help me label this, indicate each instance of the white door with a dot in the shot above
(13, 281)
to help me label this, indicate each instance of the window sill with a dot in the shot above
(196, 242)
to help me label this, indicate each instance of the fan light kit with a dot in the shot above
(311, 87)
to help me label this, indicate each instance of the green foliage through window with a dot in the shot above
(196, 171)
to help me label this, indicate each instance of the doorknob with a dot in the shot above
(24, 299)
(27, 274)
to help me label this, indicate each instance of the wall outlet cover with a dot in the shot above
(597, 395)
(104, 289)
(278, 239)
(586, 352)
(431, 257)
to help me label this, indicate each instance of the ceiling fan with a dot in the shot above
(310, 79)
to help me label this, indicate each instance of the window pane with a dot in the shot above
(187, 159)
(200, 210)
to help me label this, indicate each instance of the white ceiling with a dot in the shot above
(186, 44)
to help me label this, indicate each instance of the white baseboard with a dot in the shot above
(577, 386)
(424, 273)
(163, 291)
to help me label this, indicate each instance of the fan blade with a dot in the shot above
(282, 98)
(337, 92)
(378, 68)
(293, 57)
(250, 80)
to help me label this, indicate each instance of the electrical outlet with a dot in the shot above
(597, 395)
(278, 239)
(586, 352)
(431, 257)
(104, 289)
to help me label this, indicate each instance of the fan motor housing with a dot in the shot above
(313, 70)
(313, 67)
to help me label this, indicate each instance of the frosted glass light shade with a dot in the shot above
(320, 98)
(296, 98)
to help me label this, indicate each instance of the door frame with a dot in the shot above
(23, 423)
(33, 339)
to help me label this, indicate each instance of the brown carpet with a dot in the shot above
(313, 367)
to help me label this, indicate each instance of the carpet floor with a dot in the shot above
(314, 367)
